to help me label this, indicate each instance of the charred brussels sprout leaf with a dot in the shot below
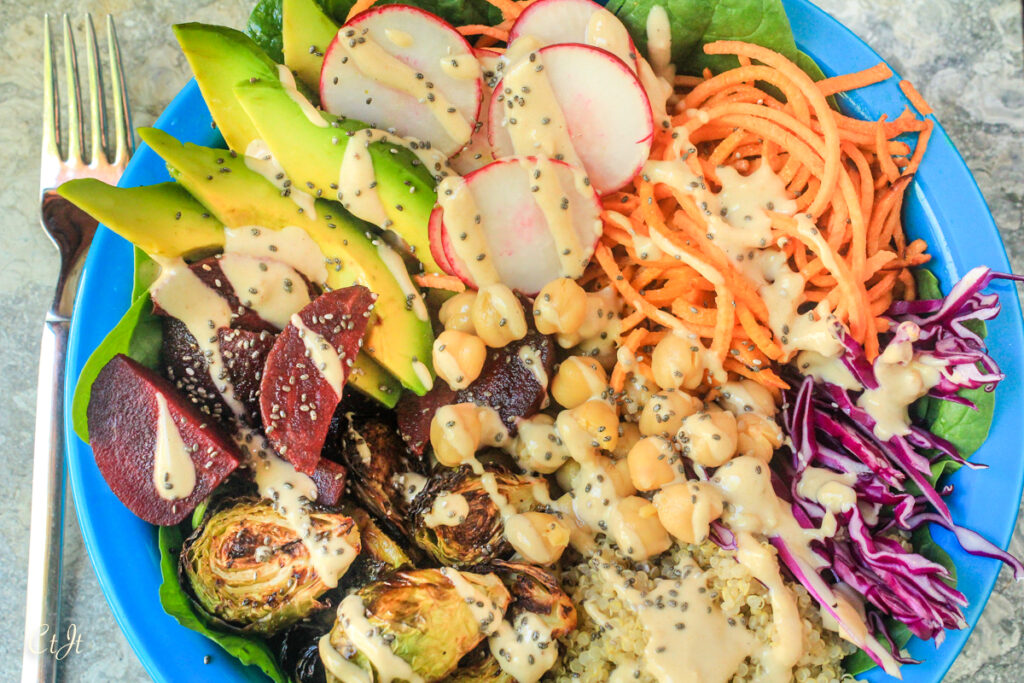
(375, 456)
(479, 537)
(249, 569)
(419, 617)
(479, 666)
(536, 590)
(380, 553)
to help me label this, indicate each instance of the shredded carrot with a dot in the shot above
(844, 241)
(915, 98)
(358, 7)
(483, 30)
(440, 281)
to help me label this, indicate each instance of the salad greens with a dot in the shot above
(249, 651)
(697, 22)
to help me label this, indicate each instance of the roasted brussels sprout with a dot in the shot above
(475, 535)
(248, 568)
(479, 666)
(375, 456)
(412, 625)
(536, 590)
(380, 553)
(298, 648)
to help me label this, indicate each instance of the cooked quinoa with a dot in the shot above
(609, 631)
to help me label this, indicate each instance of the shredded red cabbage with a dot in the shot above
(871, 553)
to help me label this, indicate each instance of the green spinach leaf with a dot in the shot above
(264, 27)
(249, 651)
(697, 22)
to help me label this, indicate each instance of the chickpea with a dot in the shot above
(539, 537)
(538, 448)
(651, 463)
(676, 362)
(578, 379)
(599, 419)
(568, 475)
(572, 475)
(498, 316)
(458, 358)
(665, 412)
(629, 434)
(637, 530)
(746, 396)
(601, 311)
(709, 437)
(758, 436)
(638, 391)
(687, 510)
(560, 307)
(455, 313)
(455, 433)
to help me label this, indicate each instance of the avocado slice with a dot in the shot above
(306, 33)
(220, 57)
(398, 339)
(165, 220)
(162, 220)
(311, 155)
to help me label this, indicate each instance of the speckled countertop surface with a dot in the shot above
(964, 56)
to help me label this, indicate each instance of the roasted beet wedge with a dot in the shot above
(329, 478)
(124, 416)
(184, 364)
(245, 355)
(306, 372)
(506, 384)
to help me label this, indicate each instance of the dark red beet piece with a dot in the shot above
(245, 355)
(505, 384)
(296, 400)
(184, 364)
(123, 420)
(329, 478)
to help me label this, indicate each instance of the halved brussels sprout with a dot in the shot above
(248, 568)
(479, 666)
(478, 534)
(380, 553)
(413, 624)
(536, 590)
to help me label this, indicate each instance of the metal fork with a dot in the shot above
(71, 231)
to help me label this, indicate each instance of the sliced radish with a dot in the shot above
(575, 21)
(435, 230)
(478, 152)
(549, 22)
(596, 112)
(539, 220)
(401, 68)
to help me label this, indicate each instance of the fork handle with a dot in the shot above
(42, 608)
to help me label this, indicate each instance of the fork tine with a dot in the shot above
(125, 143)
(51, 113)
(74, 93)
(97, 114)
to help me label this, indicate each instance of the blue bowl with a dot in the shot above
(944, 206)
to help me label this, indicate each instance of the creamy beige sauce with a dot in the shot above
(626, 671)
(311, 112)
(376, 63)
(539, 538)
(525, 651)
(604, 30)
(535, 122)
(423, 374)
(370, 642)
(258, 283)
(291, 493)
(643, 245)
(447, 366)
(398, 37)
(259, 159)
(485, 612)
(357, 182)
(396, 266)
(461, 220)
(553, 203)
(291, 245)
(902, 379)
(336, 664)
(831, 490)
(537, 447)
(459, 68)
(827, 369)
(449, 509)
(711, 648)
(530, 357)
(411, 484)
(174, 473)
(362, 449)
(324, 357)
(659, 43)
(183, 295)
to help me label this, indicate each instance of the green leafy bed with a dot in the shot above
(694, 23)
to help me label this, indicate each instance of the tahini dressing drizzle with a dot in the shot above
(174, 473)
(259, 159)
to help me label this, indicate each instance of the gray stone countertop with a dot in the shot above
(963, 55)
